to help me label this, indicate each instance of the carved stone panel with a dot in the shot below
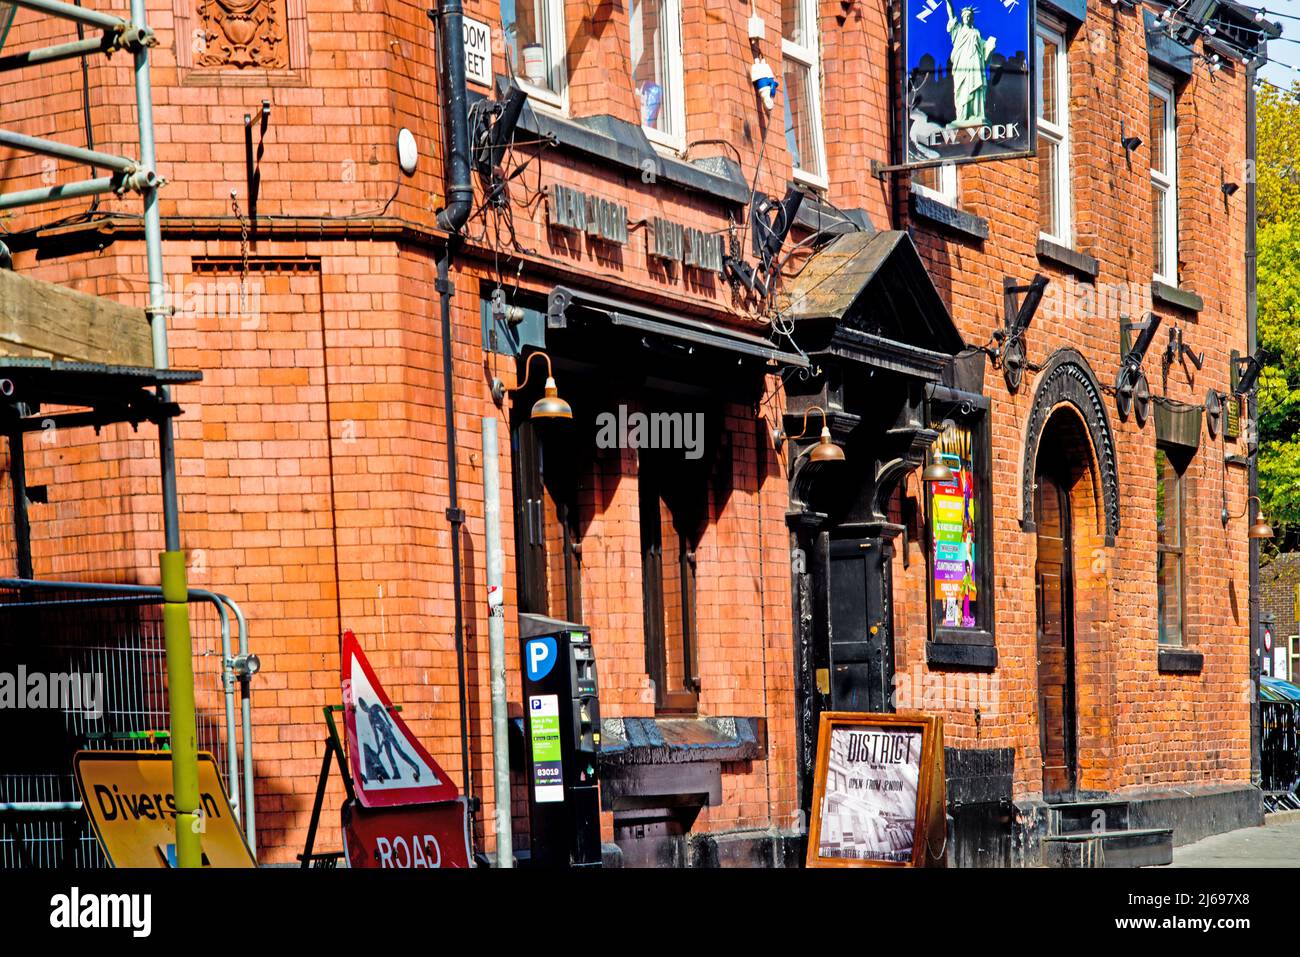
(243, 34)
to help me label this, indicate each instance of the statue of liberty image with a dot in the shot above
(970, 56)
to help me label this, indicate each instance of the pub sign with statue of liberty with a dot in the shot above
(967, 85)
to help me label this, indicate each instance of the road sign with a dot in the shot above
(129, 800)
(541, 655)
(421, 836)
(389, 765)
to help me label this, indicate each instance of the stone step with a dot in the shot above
(1147, 847)
(1087, 816)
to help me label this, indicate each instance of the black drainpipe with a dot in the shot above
(1252, 411)
(460, 190)
(449, 19)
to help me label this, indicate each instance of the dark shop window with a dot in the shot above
(548, 550)
(1171, 500)
(959, 539)
(673, 510)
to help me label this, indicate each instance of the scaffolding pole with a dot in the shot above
(134, 35)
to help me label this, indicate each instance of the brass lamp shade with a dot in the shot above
(825, 450)
(936, 471)
(550, 405)
(1261, 528)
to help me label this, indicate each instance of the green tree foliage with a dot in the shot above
(1278, 250)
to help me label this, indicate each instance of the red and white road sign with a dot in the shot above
(389, 765)
(426, 836)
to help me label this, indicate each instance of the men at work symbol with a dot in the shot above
(386, 743)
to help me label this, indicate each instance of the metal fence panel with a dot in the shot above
(110, 645)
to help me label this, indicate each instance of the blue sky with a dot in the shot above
(1283, 49)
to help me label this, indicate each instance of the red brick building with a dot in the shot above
(733, 588)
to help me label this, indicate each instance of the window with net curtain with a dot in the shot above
(534, 35)
(655, 35)
(1164, 182)
(801, 79)
(1053, 136)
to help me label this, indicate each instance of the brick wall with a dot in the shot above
(313, 456)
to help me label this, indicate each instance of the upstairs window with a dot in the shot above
(535, 47)
(1164, 182)
(1054, 215)
(801, 78)
(656, 35)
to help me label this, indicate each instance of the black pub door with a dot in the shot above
(1054, 586)
(861, 641)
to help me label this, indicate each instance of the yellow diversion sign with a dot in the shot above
(128, 798)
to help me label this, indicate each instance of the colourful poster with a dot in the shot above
(953, 516)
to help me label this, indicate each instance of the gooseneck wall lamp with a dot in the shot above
(550, 405)
(1260, 528)
(936, 470)
(825, 450)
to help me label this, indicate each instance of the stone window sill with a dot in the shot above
(950, 218)
(1077, 262)
(1180, 661)
(961, 656)
(1176, 296)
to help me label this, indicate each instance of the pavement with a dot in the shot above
(1276, 844)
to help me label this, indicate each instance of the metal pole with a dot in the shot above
(61, 51)
(50, 194)
(246, 724)
(176, 609)
(93, 18)
(497, 644)
(78, 154)
(1252, 317)
(22, 526)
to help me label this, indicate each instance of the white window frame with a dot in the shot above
(947, 191)
(675, 139)
(558, 57)
(1058, 133)
(1166, 181)
(808, 55)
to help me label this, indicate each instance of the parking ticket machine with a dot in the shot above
(562, 737)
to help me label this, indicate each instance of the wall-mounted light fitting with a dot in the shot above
(550, 405)
(1260, 528)
(1130, 143)
(825, 450)
(1248, 369)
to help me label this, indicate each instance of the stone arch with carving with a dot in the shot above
(1068, 379)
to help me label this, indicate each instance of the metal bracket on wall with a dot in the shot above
(1132, 391)
(253, 165)
(1017, 314)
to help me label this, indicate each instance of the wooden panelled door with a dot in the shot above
(1054, 587)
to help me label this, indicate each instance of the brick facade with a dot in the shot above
(312, 457)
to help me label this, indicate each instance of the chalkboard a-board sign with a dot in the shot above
(878, 794)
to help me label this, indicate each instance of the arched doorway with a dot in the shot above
(1064, 493)
(1071, 507)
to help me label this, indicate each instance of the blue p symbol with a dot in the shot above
(540, 657)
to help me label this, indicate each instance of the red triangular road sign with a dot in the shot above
(389, 765)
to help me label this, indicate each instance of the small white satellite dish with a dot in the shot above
(407, 154)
